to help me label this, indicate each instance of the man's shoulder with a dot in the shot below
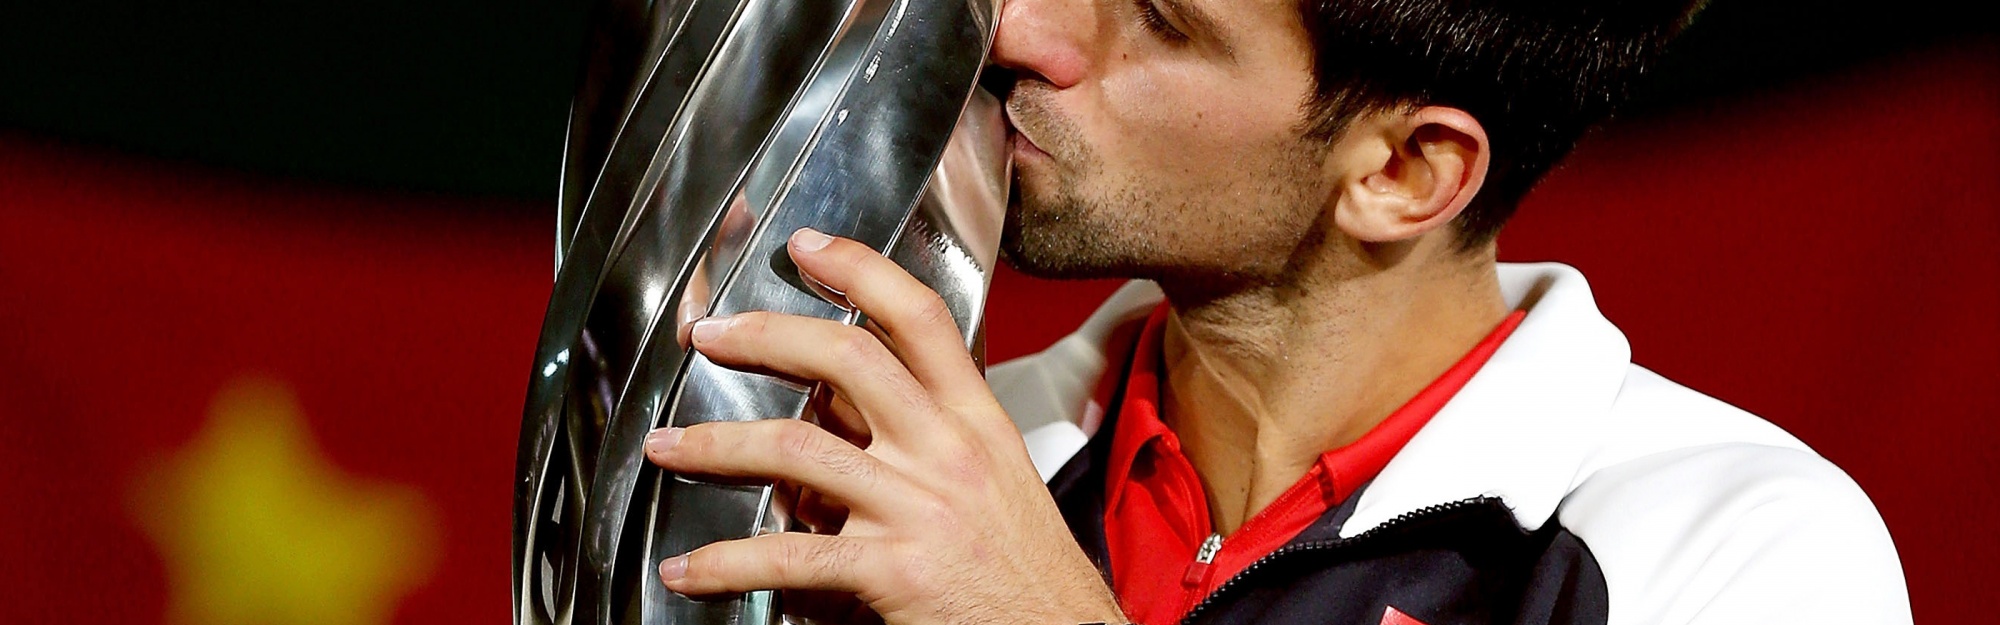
(1655, 425)
(1692, 506)
(1651, 414)
(1694, 510)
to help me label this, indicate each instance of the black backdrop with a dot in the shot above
(468, 96)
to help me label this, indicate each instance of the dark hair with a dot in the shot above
(1535, 73)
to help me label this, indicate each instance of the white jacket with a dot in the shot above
(1695, 510)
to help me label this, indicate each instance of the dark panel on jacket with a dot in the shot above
(1460, 562)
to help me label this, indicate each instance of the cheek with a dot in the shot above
(1217, 170)
(1171, 126)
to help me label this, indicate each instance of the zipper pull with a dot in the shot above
(1197, 572)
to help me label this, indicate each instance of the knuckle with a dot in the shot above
(812, 562)
(792, 559)
(854, 256)
(911, 570)
(963, 463)
(855, 345)
(798, 440)
(751, 324)
(710, 565)
(831, 559)
(808, 444)
(854, 466)
(996, 431)
(930, 310)
(696, 441)
(937, 513)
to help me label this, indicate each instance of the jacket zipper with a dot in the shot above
(1198, 571)
(1316, 546)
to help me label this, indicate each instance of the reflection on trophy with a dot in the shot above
(704, 134)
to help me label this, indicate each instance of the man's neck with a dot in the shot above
(1260, 382)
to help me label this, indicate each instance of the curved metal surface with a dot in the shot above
(626, 42)
(548, 489)
(611, 58)
(861, 177)
(756, 77)
(607, 553)
(953, 239)
(755, 117)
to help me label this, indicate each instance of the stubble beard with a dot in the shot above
(1060, 232)
(1083, 222)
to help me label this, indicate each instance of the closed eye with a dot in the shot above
(1156, 22)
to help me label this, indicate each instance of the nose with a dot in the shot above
(1044, 38)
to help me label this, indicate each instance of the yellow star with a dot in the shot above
(256, 527)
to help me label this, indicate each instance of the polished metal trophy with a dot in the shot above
(704, 134)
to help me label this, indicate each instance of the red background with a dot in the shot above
(1824, 255)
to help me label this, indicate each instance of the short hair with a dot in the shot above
(1536, 74)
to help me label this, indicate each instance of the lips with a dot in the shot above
(1023, 147)
(1020, 142)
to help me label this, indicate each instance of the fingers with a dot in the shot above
(785, 450)
(833, 412)
(847, 358)
(818, 514)
(734, 229)
(694, 303)
(916, 320)
(808, 511)
(786, 560)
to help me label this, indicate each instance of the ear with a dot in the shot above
(1409, 172)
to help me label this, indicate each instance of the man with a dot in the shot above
(1323, 401)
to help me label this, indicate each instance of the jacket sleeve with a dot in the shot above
(1737, 533)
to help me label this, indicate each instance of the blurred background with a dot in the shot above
(271, 275)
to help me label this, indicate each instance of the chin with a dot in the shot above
(1031, 249)
(1063, 251)
(1058, 233)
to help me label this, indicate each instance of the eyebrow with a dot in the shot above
(1197, 19)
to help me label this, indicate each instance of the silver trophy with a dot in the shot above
(705, 132)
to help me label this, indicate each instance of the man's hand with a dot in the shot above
(928, 506)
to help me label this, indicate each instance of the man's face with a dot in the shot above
(1160, 138)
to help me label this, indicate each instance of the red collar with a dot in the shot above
(1156, 512)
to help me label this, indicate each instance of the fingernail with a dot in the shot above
(711, 328)
(810, 240)
(660, 440)
(692, 309)
(673, 568)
